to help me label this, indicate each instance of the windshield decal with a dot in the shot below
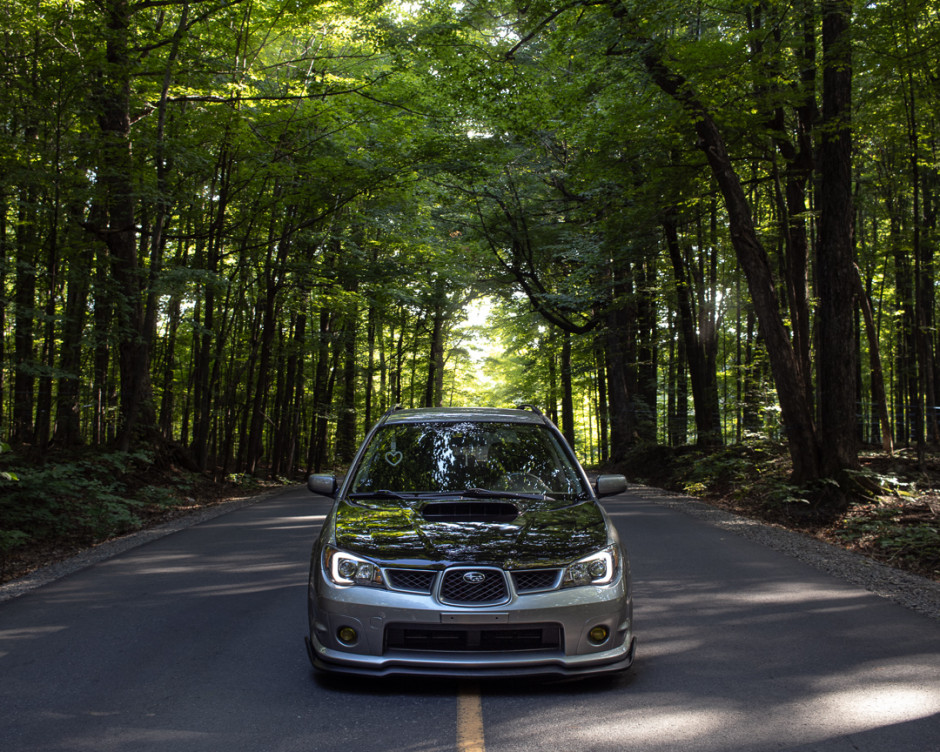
(393, 457)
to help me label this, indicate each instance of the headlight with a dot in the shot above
(596, 569)
(345, 569)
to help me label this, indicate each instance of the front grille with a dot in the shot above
(532, 580)
(412, 580)
(468, 639)
(475, 586)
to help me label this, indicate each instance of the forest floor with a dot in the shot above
(898, 526)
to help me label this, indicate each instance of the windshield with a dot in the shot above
(409, 458)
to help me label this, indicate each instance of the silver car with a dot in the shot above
(468, 543)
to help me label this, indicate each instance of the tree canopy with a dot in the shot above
(237, 231)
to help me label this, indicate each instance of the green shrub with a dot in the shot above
(883, 529)
(88, 499)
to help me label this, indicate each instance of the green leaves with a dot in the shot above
(4, 475)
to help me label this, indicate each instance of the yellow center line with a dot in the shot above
(469, 719)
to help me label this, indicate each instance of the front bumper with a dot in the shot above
(379, 617)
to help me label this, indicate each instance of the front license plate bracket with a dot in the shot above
(489, 617)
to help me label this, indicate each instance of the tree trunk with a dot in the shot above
(603, 408)
(44, 392)
(4, 240)
(647, 391)
(346, 423)
(24, 302)
(837, 277)
(621, 381)
(434, 385)
(103, 315)
(567, 398)
(552, 361)
(322, 394)
(68, 425)
(750, 414)
(798, 156)
(370, 366)
(877, 378)
(270, 307)
(136, 416)
(208, 255)
(699, 348)
(289, 398)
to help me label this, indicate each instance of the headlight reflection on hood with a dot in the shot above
(596, 569)
(346, 569)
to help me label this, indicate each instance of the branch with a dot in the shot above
(539, 26)
(146, 4)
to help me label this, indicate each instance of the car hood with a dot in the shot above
(426, 533)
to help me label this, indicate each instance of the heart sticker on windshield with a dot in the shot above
(393, 457)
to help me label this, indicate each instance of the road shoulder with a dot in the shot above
(912, 591)
(111, 548)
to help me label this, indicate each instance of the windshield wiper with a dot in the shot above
(469, 493)
(382, 493)
(485, 493)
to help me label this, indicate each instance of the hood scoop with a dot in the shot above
(470, 511)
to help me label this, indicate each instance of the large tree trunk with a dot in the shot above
(835, 269)
(137, 416)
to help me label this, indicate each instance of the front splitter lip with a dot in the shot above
(478, 666)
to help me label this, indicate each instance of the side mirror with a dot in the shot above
(322, 485)
(610, 485)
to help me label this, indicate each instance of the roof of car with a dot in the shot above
(463, 414)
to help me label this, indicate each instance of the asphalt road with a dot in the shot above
(194, 643)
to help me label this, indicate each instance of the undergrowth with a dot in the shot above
(53, 509)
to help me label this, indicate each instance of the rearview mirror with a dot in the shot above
(610, 485)
(322, 485)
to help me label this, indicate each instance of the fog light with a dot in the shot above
(599, 634)
(347, 635)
